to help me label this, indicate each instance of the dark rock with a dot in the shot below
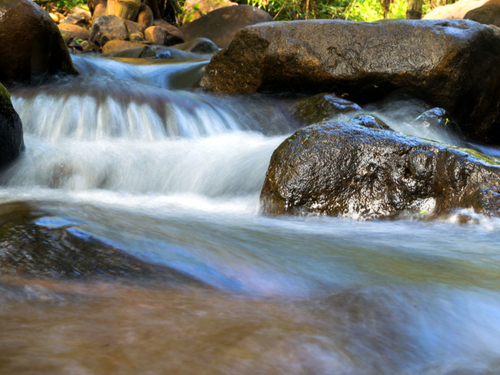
(31, 43)
(221, 25)
(321, 107)
(134, 28)
(106, 28)
(73, 32)
(369, 121)
(455, 65)
(11, 130)
(88, 46)
(30, 248)
(488, 14)
(346, 170)
(200, 45)
(437, 119)
(145, 16)
(155, 10)
(172, 34)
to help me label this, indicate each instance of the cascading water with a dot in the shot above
(123, 154)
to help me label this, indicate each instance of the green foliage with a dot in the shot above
(62, 4)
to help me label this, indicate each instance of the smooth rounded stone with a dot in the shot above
(487, 14)
(155, 34)
(457, 10)
(34, 243)
(194, 9)
(120, 45)
(31, 45)
(221, 25)
(84, 12)
(93, 4)
(100, 10)
(346, 170)
(145, 16)
(107, 28)
(369, 121)
(454, 65)
(321, 107)
(200, 45)
(136, 38)
(437, 119)
(88, 46)
(75, 19)
(11, 130)
(134, 28)
(73, 31)
(173, 34)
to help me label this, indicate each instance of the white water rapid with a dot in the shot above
(125, 153)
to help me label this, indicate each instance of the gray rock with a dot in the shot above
(106, 28)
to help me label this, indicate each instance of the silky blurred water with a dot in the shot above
(173, 176)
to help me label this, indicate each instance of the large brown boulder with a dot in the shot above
(106, 28)
(31, 44)
(11, 130)
(345, 170)
(487, 14)
(221, 25)
(457, 10)
(455, 65)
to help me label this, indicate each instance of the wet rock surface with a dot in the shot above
(200, 45)
(321, 107)
(31, 43)
(345, 170)
(11, 130)
(31, 245)
(221, 25)
(437, 119)
(454, 65)
(369, 121)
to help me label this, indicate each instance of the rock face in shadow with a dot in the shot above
(30, 247)
(345, 170)
(221, 25)
(488, 14)
(31, 44)
(455, 65)
(11, 130)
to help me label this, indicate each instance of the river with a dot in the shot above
(124, 153)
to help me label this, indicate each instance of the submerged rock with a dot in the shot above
(369, 121)
(437, 119)
(172, 34)
(345, 170)
(221, 25)
(31, 44)
(454, 65)
(321, 107)
(34, 244)
(11, 130)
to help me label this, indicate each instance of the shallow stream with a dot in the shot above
(126, 154)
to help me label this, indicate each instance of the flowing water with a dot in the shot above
(126, 154)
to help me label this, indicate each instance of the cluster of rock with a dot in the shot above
(110, 26)
(359, 167)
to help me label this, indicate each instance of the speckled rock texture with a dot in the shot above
(454, 64)
(346, 170)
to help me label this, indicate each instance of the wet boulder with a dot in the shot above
(321, 107)
(369, 121)
(34, 243)
(155, 35)
(221, 25)
(345, 170)
(487, 14)
(455, 65)
(11, 130)
(31, 44)
(437, 119)
(106, 28)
